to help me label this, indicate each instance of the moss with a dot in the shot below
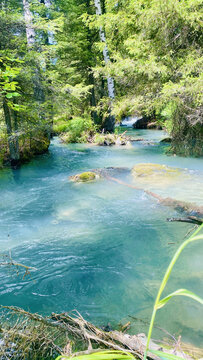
(84, 177)
(156, 174)
(150, 169)
(37, 144)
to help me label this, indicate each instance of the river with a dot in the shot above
(100, 247)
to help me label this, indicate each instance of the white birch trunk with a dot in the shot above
(31, 37)
(51, 39)
(30, 32)
(110, 80)
(47, 3)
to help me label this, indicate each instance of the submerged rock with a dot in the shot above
(137, 139)
(141, 123)
(154, 125)
(147, 122)
(167, 140)
(84, 177)
(187, 207)
(147, 169)
(112, 171)
(156, 174)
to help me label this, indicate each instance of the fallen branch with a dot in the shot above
(17, 265)
(62, 333)
(176, 204)
(189, 219)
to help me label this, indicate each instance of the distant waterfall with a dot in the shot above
(129, 121)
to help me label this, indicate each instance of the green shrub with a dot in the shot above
(104, 139)
(78, 130)
(60, 127)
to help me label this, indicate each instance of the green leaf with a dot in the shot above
(101, 355)
(9, 95)
(192, 238)
(182, 292)
(13, 94)
(165, 356)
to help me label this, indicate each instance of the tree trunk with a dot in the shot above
(50, 41)
(110, 120)
(39, 94)
(50, 36)
(94, 114)
(110, 80)
(30, 32)
(15, 117)
(92, 97)
(12, 140)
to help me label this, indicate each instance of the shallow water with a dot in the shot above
(100, 247)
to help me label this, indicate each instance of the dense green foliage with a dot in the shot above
(79, 130)
(58, 73)
(25, 117)
(156, 62)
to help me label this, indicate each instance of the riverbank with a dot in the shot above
(81, 131)
(34, 337)
(28, 148)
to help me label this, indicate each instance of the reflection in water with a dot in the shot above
(99, 247)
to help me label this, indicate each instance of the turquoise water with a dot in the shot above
(100, 247)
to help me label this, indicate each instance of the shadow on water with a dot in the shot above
(16, 175)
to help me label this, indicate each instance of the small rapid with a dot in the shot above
(100, 247)
(129, 121)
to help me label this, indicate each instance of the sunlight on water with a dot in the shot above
(100, 247)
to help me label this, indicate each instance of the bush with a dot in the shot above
(60, 127)
(105, 139)
(79, 130)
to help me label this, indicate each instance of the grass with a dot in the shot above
(102, 355)
(159, 303)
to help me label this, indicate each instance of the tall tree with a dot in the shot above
(23, 91)
(30, 32)
(110, 119)
(156, 62)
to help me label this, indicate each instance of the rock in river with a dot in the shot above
(156, 175)
(84, 177)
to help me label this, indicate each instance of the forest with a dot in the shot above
(81, 66)
(101, 179)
